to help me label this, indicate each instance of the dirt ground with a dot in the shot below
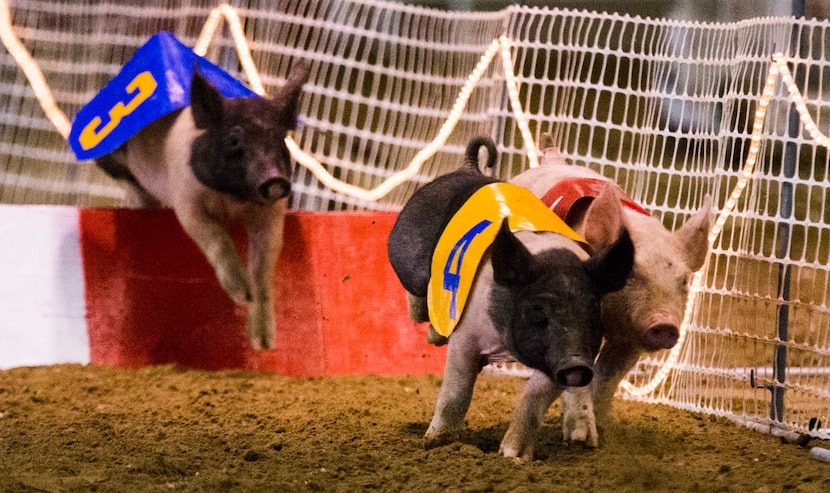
(92, 428)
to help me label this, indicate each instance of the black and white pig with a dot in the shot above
(644, 316)
(534, 299)
(219, 162)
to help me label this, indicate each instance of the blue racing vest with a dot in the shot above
(153, 83)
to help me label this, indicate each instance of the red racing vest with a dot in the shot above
(561, 197)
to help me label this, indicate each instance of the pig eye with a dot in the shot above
(233, 141)
(536, 317)
(686, 282)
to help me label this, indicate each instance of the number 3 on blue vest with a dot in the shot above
(141, 88)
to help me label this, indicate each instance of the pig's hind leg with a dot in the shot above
(419, 312)
(537, 397)
(418, 308)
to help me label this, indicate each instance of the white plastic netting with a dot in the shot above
(671, 110)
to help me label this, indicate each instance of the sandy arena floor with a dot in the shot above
(76, 428)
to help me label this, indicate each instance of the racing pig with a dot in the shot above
(645, 316)
(533, 296)
(217, 162)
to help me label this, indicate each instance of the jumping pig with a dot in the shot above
(218, 162)
(645, 316)
(534, 296)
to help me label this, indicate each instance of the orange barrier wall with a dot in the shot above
(152, 298)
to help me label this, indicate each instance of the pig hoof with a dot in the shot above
(583, 435)
(579, 435)
(262, 335)
(438, 440)
(509, 452)
(262, 339)
(580, 429)
(586, 444)
(516, 453)
(435, 338)
(262, 343)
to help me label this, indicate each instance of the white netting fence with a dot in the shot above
(666, 108)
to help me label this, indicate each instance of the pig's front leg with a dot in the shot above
(219, 249)
(463, 366)
(578, 421)
(520, 439)
(614, 362)
(583, 408)
(265, 239)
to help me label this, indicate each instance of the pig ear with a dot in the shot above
(510, 258)
(610, 268)
(693, 236)
(289, 96)
(604, 218)
(206, 102)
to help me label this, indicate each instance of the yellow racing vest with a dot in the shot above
(469, 234)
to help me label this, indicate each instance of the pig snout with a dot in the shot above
(661, 335)
(660, 331)
(574, 372)
(274, 188)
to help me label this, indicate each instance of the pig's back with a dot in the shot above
(541, 178)
(149, 157)
(416, 232)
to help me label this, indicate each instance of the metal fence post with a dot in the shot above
(790, 164)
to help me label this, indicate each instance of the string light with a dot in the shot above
(415, 165)
(515, 103)
(238, 34)
(32, 71)
(501, 44)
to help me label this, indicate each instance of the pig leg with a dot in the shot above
(614, 362)
(584, 407)
(418, 308)
(463, 366)
(419, 312)
(265, 239)
(219, 249)
(537, 397)
(578, 421)
(434, 338)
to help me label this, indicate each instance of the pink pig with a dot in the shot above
(218, 162)
(644, 316)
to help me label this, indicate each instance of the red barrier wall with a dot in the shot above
(152, 298)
